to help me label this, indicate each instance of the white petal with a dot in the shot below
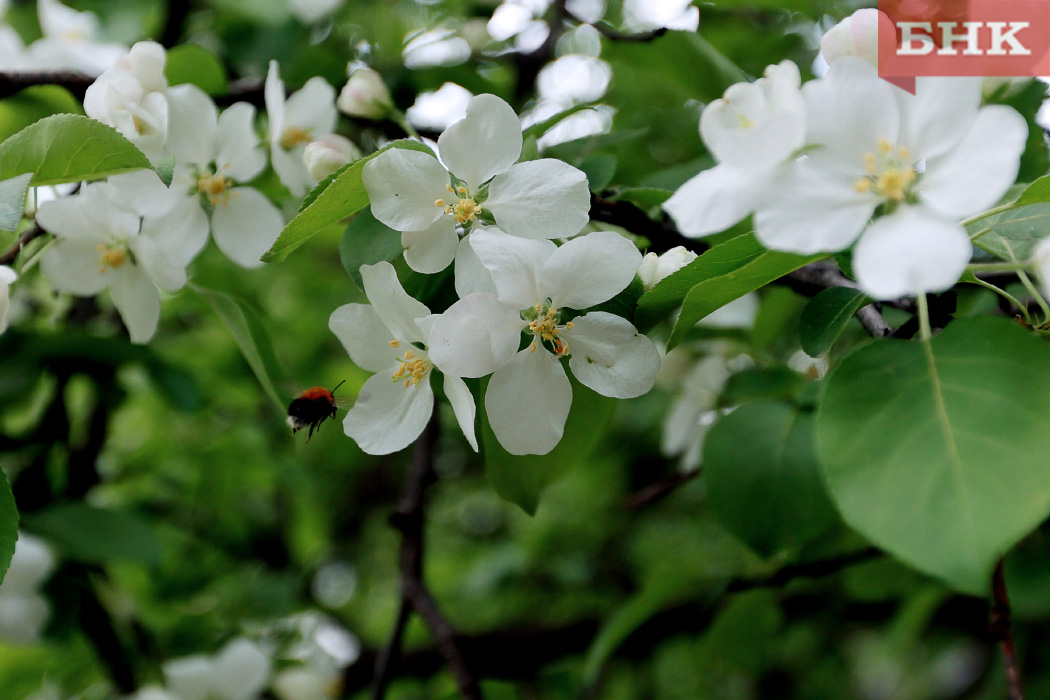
(463, 406)
(312, 108)
(387, 415)
(527, 402)
(978, 171)
(192, 125)
(302, 683)
(143, 190)
(610, 356)
(679, 425)
(92, 216)
(152, 259)
(273, 96)
(713, 200)
(472, 277)
(364, 335)
(403, 187)
(290, 169)
(239, 156)
(912, 251)
(137, 301)
(514, 264)
(806, 210)
(31, 565)
(245, 226)
(431, 249)
(484, 143)
(73, 266)
(476, 336)
(940, 113)
(240, 670)
(181, 231)
(589, 270)
(391, 302)
(22, 617)
(544, 198)
(189, 678)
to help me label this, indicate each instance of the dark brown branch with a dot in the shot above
(662, 235)
(658, 490)
(178, 10)
(1001, 629)
(8, 256)
(11, 81)
(389, 655)
(408, 518)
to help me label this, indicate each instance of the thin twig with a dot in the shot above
(390, 654)
(658, 490)
(1000, 626)
(12, 81)
(8, 256)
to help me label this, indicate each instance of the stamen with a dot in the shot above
(395, 343)
(215, 187)
(294, 136)
(439, 202)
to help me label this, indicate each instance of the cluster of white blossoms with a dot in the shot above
(69, 41)
(134, 235)
(523, 298)
(850, 160)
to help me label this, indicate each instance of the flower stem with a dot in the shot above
(924, 318)
(1034, 291)
(399, 118)
(990, 212)
(1006, 295)
(997, 266)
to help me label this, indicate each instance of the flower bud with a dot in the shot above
(655, 268)
(857, 35)
(326, 155)
(365, 95)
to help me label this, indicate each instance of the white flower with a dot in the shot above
(390, 338)
(694, 410)
(7, 278)
(857, 35)
(310, 11)
(1041, 260)
(658, 267)
(439, 109)
(212, 154)
(529, 395)
(329, 153)
(240, 671)
(105, 240)
(647, 15)
(130, 98)
(413, 192)
(69, 41)
(929, 159)
(308, 682)
(365, 95)
(23, 610)
(295, 122)
(574, 79)
(750, 131)
(811, 367)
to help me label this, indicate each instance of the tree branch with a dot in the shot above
(1000, 627)
(8, 256)
(658, 490)
(12, 81)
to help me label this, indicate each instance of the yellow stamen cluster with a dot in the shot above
(412, 369)
(294, 136)
(545, 325)
(464, 210)
(111, 256)
(889, 174)
(215, 187)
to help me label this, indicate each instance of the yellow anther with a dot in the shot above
(409, 355)
(111, 257)
(862, 185)
(885, 146)
(532, 348)
(294, 136)
(449, 188)
(890, 174)
(138, 124)
(461, 189)
(570, 324)
(871, 163)
(215, 188)
(395, 343)
(464, 210)
(904, 153)
(412, 370)
(439, 202)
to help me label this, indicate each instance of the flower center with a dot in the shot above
(294, 136)
(111, 256)
(889, 172)
(215, 187)
(544, 324)
(413, 368)
(464, 210)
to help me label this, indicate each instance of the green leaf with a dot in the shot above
(8, 524)
(32, 104)
(366, 241)
(192, 63)
(1036, 193)
(644, 197)
(725, 272)
(521, 479)
(68, 148)
(936, 451)
(13, 201)
(333, 199)
(763, 479)
(251, 337)
(540, 128)
(1014, 233)
(166, 170)
(825, 317)
(96, 535)
(599, 168)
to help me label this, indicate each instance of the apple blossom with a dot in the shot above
(7, 278)
(1041, 261)
(528, 397)
(857, 35)
(390, 338)
(695, 409)
(23, 609)
(648, 15)
(365, 95)
(329, 153)
(213, 154)
(69, 41)
(130, 97)
(239, 671)
(427, 199)
(295, 122)
(439, 109)
(658, 267)
(754, 128)
(924, 160)
(104, 240)
(310, 11)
